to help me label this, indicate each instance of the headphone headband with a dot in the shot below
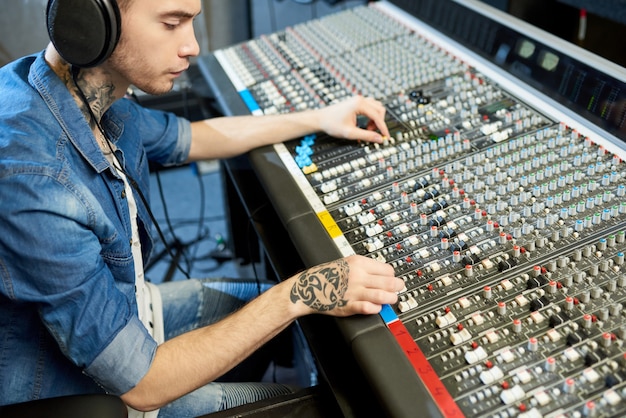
(84, 32)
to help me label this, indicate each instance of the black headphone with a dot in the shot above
(84, 32)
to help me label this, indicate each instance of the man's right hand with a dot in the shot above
(347, 286)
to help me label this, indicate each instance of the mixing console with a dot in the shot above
(507, 224)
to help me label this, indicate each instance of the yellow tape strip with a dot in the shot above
(329, 223)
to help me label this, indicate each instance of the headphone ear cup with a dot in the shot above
(84, 32)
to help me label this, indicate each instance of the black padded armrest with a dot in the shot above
(76, 406)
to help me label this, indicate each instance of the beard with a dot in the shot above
(137, 71)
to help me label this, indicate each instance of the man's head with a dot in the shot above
(156, 43)
(146, 43)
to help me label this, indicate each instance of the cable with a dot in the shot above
(74, 70)
(135, 186)
(192, 247)
(189, 258)
(201, 217)
(251, 222)
(178, 244)
(187, 250)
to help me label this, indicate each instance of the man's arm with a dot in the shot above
(226, 137)
(354, 285)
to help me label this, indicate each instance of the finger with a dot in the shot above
(385, 283)
(364, 135)
(375, 296)
(366, 308)
(373, 266)
(376, 112)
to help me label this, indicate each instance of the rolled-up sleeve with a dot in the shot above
(131, 352)
(58, 239)
(183, 146)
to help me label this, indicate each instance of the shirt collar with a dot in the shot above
(63, 107)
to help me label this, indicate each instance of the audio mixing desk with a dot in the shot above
(499, 199)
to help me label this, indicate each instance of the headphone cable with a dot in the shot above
(74, 70)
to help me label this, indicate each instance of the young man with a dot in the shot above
(75, 313)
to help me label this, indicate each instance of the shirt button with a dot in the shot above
(123, 194)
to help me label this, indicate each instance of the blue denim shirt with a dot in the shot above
(68, 315)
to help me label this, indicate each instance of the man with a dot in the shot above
(75, 313)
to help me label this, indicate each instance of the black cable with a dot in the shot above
(131, 180)
(188, 244)
(200, 235)
(192, 258)
(135, 186)
(251, 222)
(189, 249)
(201, 215)
(178, 244)
(157, 175)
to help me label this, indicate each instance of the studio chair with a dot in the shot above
(75, 406)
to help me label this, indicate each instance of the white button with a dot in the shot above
(553, 335)
(533, 413)
(478, 319)
(460, 337)
(612, 397)
(571, 354)
(491, 375)
(521, 300)
(542, 398)
(476, 355)
(492, 337)
(524, 376)
(537, 317)
(510, 396)
(506, 284)
(445, 320)
(591, 375)
(464, 302)
(507, 356)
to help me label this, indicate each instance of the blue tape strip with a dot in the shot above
(249, 100)
(388, 314)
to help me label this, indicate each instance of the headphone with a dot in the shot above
(84, 32)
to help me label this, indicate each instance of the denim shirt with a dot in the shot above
(68, 314)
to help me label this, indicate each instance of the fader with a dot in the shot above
(506, 223)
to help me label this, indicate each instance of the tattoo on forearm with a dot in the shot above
(322, 288)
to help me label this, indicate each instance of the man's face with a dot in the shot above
(156, 42)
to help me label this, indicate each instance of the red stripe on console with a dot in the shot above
(424, 370)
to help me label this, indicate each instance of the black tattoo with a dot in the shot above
(100, 97)
(98, 93)
(322, 288)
